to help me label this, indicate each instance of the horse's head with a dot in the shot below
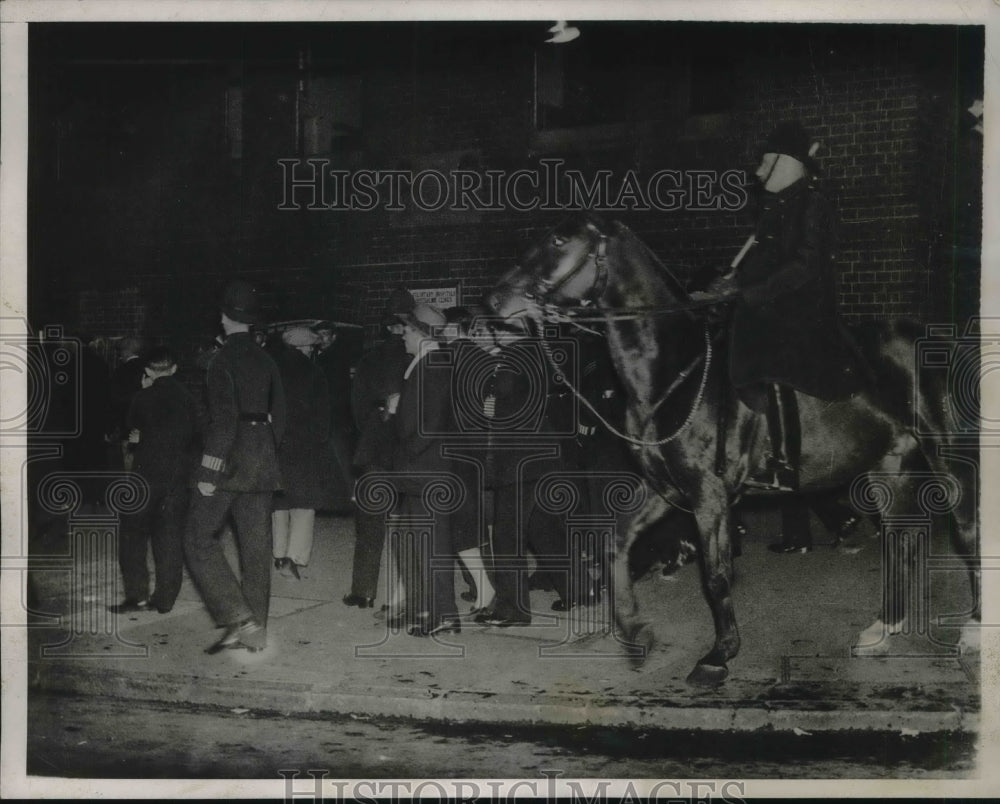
(566, 268)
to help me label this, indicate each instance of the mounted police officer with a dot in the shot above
(238, 474)
(786, 335)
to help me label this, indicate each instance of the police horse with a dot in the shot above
(695, 439)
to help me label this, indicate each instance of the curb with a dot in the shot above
(741, 715)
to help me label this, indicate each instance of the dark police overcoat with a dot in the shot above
(785, 327)
(246, 407)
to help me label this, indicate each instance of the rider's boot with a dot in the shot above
(781, 473)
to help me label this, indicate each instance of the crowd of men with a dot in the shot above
(284, 431)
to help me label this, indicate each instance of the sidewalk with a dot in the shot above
(798, 615)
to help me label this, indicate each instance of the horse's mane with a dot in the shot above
(676, 286)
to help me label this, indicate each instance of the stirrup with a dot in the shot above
(778, 476)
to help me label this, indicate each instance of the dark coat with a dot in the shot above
(785, 327)
(126, 382)
(243, 383)
(303, 455)
(379, 374)
(514, 380)
(166, 416)
(423, 421)
(334, 362)
(595, 447)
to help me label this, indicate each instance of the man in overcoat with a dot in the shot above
(302, 456)
(238, 474)
(423, 420)
(163, 424)
(379, 377)
(523, 447)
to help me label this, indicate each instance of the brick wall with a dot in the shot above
(883, 104)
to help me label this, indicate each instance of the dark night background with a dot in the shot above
(154, 176)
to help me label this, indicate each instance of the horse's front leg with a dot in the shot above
(635, 632)
(711, 510)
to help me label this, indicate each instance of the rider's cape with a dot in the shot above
(785, 327)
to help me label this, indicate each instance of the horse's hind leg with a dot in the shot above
(908, 496)
(963, 468)
(953, 451)
(711, 510)
(635, 632)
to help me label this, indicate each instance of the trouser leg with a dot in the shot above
(775, 430)
(474, 565)
(510, 562)
(786, 439)
(441, 566)
(791, 428)
(836, 518)
(409, 555)
(280, 532)
(252, 515)
(206, 561)
(549, 541)
(795, 526)
(133, 546)
(168, 547)
(301, 525)
(368, 541)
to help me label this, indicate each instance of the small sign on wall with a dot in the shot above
(442, 298)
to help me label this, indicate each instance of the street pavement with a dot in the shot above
(798, 617)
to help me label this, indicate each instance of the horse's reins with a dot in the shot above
(599, 257)
(685, 373)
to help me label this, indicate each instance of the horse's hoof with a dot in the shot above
(707, 675)
(640, 645)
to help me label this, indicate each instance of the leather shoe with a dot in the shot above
(162, 608)
(502, 621)
(483, 615)
(359, 601)
(129, 607)
(781, 547)
(248, 634)
(446, 625)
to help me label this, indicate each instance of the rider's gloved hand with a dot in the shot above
(724, 286)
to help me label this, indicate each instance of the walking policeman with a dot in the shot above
(238, 474)
(786, 334)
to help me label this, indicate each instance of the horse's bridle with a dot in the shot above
(544, 289)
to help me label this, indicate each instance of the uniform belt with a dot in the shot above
(255, 418)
